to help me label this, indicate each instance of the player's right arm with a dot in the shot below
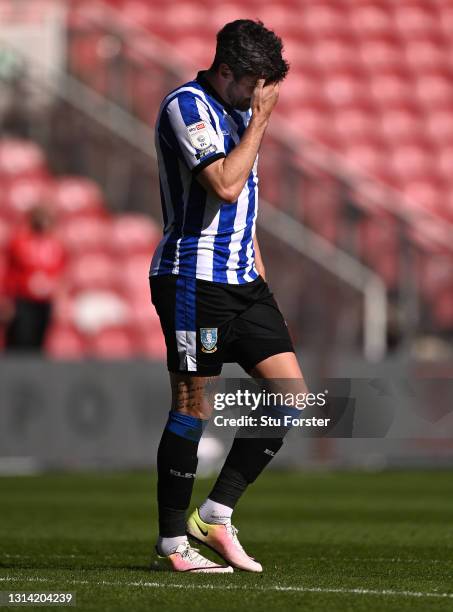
(226, 177)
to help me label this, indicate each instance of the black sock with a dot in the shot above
(176, 467)
(246, 460)
(249, 456)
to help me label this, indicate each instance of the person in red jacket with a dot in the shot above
(35, 263)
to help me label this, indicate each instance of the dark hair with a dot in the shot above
(248, 48)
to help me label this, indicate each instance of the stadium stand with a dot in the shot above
(370, 82)
(355, 69)
(103, 308)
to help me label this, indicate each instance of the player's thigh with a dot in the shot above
(281, 365)
(189, 394)
(265, 349)
(280, 372)
(259, 333)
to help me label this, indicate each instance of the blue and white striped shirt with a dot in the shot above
(204, 237)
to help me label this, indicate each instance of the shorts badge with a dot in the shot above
(208, 337)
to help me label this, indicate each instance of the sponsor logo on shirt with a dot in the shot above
(208, 151)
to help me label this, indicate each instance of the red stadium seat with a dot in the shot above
(24, 193)
(135, 272)
(371, 19)
(197, 49)
(284, 19)
(313, 123)
(142, 311)
(94, 271)
(448, 203)
(446, 21)
(298, 51)
(221, 13)
(95, 309)
(411, 160)
(381, 53)
(301, 85)
(324, 19)
(113, 343)
(435, 91)
(5, 232)
(151, 344)
(356, 123)
(439, 126)
(300, 89)
(63, 309)
(445, 162)
(426, 54)
(84, 14)
(85, 235)
(335, 53)
(3, 241)
(392, 88)
(134, 233)
(346, 88)
(401, 124)
(77, 196)
(138, 13)
(65, 342)
(416, 19)
(183, 17)
(369, 156)
(254, 5)
(21, 159)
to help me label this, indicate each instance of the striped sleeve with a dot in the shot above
(196, 131)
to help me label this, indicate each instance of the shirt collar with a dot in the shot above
(203, 81)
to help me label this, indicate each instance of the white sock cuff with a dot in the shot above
(215, 513)
(167, 546)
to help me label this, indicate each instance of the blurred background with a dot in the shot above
(356, 221)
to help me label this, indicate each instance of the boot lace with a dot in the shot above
(233, 531)
(193, 556)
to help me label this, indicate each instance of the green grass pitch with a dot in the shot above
(328, 541)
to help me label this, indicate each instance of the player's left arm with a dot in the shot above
(258, 259)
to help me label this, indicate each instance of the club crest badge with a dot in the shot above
(208, 337)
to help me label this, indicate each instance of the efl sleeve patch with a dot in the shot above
(191, 126)
(199, 135)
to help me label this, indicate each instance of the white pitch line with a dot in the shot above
(331, 559)
(232, 587)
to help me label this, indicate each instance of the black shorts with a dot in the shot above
(207, 324)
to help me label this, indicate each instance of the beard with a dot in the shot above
(241, 104)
